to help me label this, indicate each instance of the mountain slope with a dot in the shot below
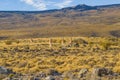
(80, 20)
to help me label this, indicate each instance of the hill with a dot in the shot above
(80, 20)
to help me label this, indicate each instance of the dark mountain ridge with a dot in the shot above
(81, 7)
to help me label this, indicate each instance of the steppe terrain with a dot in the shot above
(64, 58)
(80, 20)
(74, 43)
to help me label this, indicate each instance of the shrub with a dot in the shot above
(11, 75)
(17, 41)
(8, 42)
(105, 45)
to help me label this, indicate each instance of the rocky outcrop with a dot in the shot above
(53, 72)
(83, 73)
(97, 73)
(49, 78)
(4, 70)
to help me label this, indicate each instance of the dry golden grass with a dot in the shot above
(34, 55)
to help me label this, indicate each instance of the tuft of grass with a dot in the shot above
(8, 42)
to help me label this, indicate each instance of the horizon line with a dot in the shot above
(55, 9)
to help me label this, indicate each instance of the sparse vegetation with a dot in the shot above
(59, 23)
(35, 56)
(25, 55)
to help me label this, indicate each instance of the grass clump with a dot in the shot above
(8, 42)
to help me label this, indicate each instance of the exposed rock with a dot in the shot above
(100, 72)
(50, 78)
(4, 70)
(83, 72)
(53, 72)
(41, 75)
(104, 71)
(68, 74)
(7, 79)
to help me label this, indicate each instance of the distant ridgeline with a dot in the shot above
(80, 20)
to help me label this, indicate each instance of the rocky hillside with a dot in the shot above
(80, 20)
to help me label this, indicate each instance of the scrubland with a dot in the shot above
(64, 54)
